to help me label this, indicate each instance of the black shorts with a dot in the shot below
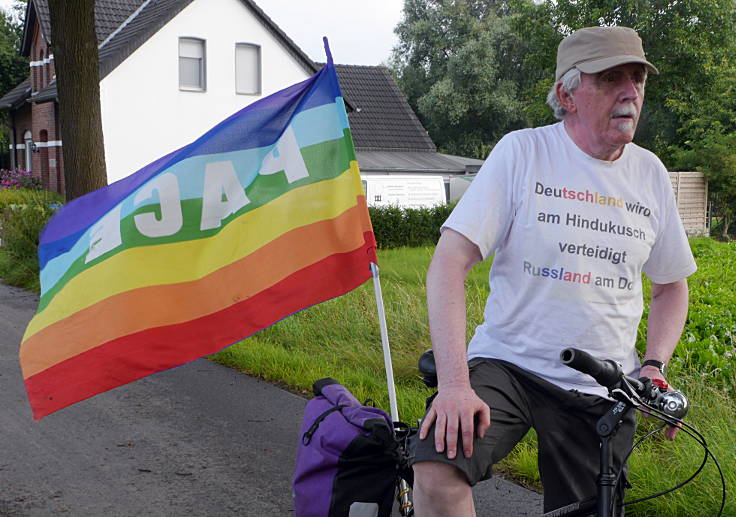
(568, 455)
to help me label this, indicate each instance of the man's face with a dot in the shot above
(608, 104)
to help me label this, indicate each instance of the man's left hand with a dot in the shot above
(670, 432)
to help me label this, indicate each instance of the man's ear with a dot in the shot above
(565, 98)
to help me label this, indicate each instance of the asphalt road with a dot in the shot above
(199, 440)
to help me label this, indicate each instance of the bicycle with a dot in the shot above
(627, 393)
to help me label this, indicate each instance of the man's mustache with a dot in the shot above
(625, 111)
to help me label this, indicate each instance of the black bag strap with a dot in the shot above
(321, 383)
(307, 437)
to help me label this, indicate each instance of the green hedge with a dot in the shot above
(395, 227)
(23, 214)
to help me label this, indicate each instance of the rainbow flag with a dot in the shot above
(259, 218)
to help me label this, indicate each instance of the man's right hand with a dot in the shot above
(453, 412)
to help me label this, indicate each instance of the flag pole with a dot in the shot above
(384, 342)
(405, 502)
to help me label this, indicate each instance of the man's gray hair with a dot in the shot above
(570, 81)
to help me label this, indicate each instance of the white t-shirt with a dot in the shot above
(571, 236)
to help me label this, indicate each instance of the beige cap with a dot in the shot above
(594, 49)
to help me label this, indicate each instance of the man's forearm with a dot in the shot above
(456, 408)
(667, 315)
(453, 259)
(446, 310)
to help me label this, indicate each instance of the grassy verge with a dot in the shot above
(340, 339)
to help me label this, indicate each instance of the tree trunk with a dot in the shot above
(74, 45)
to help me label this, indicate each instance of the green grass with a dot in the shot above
(660, 464)
(340, 338)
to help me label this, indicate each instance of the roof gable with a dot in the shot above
(153, 15)
(122, 26)
(381, 117)
(109, 15)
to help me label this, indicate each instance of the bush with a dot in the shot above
(395, 227)
(18, 179)
(23, 214)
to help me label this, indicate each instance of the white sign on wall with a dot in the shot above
(404, 191)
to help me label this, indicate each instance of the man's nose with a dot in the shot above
(631, 89)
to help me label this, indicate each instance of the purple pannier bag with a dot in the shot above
(347, 462)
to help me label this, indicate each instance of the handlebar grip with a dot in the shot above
(606, 372)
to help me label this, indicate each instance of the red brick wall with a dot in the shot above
(39, 52)
(44, 130)
(41, 120)
(47, 162)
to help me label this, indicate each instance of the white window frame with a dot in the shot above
(259, 68)
(28, 140)
(202, 65)
(43, 70)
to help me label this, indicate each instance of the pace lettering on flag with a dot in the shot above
(262, 216)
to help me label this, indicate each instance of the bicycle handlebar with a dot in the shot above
(609, 374)
(606, 372)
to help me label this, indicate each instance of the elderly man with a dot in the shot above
(572, 213)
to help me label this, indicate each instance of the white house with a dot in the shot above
(208, 61)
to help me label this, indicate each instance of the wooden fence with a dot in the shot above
(691, 192)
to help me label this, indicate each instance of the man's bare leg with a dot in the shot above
(441, 490)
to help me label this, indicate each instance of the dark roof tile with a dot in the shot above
(136, 31)
(409, 162)
(49, 93)
(381, 118)
(124, 25)
(109, 14)
(17, 95)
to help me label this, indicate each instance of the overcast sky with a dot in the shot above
(360, 31)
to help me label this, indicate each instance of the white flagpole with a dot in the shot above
(405, 502)
(384, 342)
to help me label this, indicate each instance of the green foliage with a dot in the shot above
(23, 214)
(458, 64)
(13, 67)
(709, 339)
(395, 227)
(708, 345)
(476, 69)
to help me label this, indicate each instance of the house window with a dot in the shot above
(247, 68)
(192, 70)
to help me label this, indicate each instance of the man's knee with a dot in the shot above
(438, 481)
